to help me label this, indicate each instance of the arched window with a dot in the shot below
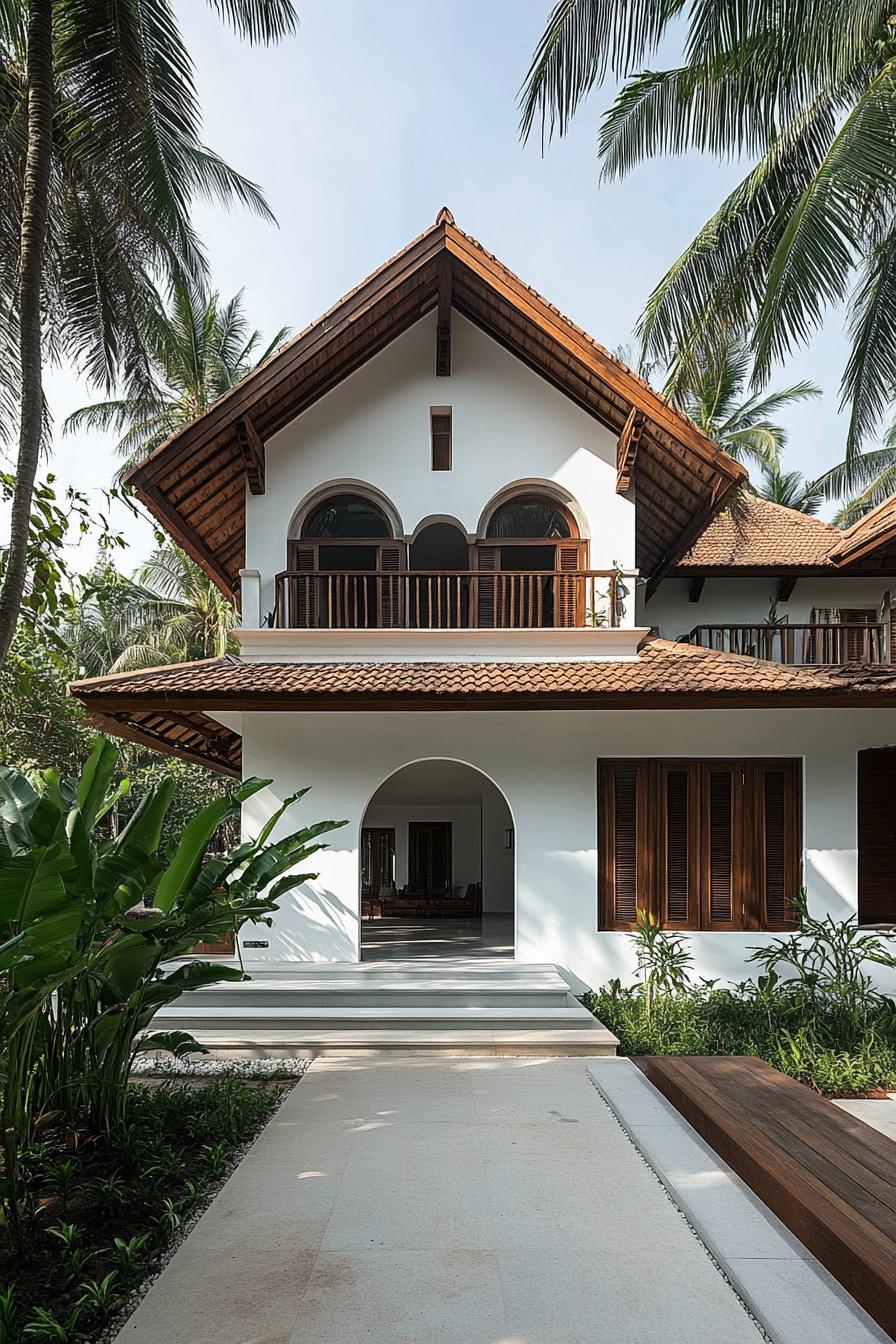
(345, 517)
(533, 517)
(533, 548)
(343, 571)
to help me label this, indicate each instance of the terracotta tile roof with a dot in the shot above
(664, 670)
(870, 534)
(758, 534)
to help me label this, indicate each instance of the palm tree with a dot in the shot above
(865, 481)
(198, 348)
(791, 489)
(807, 91)
(712, 394)
(169, 612)
(100, 159)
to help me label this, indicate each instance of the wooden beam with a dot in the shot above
(627, 449)
(443, 318)
(695, 591)
(786, 585)
(252, 450)
(689, 536)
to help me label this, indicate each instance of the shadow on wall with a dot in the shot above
(313, 924)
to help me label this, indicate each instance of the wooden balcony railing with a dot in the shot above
(827, 645)
(439, 600)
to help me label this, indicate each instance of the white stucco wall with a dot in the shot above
(545, 764)
(728, 601)
(509, 425)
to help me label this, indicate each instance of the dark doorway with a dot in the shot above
(377, 860)
(429, 857)
(876, 807)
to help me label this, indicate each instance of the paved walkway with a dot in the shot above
(464, 1201)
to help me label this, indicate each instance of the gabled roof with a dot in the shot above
(195, 483)
(871, 541)
(757, 535)
(170, 707)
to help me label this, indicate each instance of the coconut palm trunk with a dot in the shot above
(35, 209)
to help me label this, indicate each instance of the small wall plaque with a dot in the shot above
(255, 942)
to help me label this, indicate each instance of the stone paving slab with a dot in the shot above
(789, 1291)
(465, 1201)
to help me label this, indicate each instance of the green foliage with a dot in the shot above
(663, 960)
(131, 1195)
(814, 1013)
(89, 924)
(806, 92)
(198, 348)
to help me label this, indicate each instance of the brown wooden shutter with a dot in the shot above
(719, 846)
(302, 592)
(625, 869)
(389, 594)
(440, 426)
(876, 806)
(678, 849)
(488, 561)
(775, 871)
(569, 592)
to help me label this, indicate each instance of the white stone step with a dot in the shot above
(184, 1017)
(589, 1041)
(439, 1005)
(362, 992)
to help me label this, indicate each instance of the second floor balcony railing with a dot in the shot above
(440, 600)
(815, 645)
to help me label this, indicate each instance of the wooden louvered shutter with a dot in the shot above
(488, 561)
(302, 589)
(391, 563)
(624, 851)
(720, 866)
(440, 426)
(876, 806)
(677, 855)
(568, 592)
(772, 872)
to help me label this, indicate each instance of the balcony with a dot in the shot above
(456, 600)
(819, 645)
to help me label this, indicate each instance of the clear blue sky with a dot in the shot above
(372, 117)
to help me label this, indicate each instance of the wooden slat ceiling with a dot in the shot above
(195, 483)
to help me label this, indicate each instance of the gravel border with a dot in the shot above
(204, 1066)
(116, 1324)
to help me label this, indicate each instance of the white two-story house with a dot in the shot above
(498, 610)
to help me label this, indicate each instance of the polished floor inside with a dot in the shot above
(402, 939)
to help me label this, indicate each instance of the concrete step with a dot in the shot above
(590, 1042)
(428, 1005)
(316, 992)
(183, 1016)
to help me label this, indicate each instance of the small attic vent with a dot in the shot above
(440, 424)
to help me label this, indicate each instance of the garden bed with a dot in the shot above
(101, 1215)
(814, 1044)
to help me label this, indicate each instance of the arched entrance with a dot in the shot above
(437, 865)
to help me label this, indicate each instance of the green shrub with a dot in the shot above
(814, 1014)
(88, 923)
(126, 1194)
(808, 1042)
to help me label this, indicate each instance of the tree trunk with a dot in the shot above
(35, 209)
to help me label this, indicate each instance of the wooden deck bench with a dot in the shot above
(828, 1176)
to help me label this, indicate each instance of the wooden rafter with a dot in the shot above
(252, 449)
(627, 449)
(443, 318)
